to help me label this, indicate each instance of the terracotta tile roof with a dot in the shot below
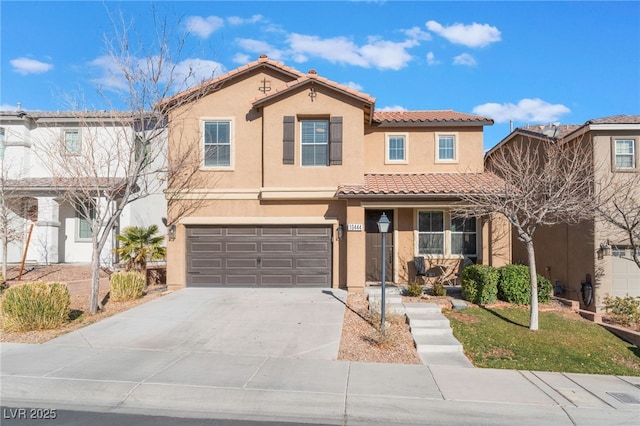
(312, 75)
(430, 117)
(213, 83)
(616, 119)
(426, 184)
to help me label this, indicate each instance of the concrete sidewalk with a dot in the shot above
(138, 373)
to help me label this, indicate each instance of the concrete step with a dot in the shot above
(437, 344)
(456, 359)
(431, 331)
(378, 290)
(430, 320)
(458, 304)
(418, 308)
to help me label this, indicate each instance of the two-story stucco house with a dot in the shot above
(593, 259)
(54, 229)
(304, 167)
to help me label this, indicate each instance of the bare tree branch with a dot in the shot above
(546, 182)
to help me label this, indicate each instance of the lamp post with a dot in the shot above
(383, 227)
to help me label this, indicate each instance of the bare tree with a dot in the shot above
(546, 183)
(11, 221)
(619, 205)
(121, 156)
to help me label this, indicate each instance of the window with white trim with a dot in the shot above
(85, 214)
(625, 153)
(314, 142)
(431, 232)
(396, 147)
(71, 141)
(463, 237)
(217, 142)
(446, 148)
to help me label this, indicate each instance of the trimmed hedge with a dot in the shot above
(126, 286)
(514, 286)
(480, 284)
(35, 306)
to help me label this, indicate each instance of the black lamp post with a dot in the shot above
(383, 227)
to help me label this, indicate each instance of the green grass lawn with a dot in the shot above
(500, 338)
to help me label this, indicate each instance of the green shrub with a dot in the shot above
(514, 285)
(126, 286)
(35, 306)
(480, 284)
(438, 289)
(625, 311)
(415, 289)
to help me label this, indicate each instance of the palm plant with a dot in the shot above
(139, 245)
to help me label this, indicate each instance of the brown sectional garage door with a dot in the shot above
(259, 256)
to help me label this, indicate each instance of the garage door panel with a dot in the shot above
(254, 256)
(282, 247)
(210, 263)
(235, 263)
(277, 263)
(241, 247)
(202, 247)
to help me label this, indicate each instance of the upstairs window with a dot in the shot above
(217, 143)
(625, 153)
(71, 141)
(446, 148)
(396, 147)
(315, 142)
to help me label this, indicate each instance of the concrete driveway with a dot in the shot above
(269, 322)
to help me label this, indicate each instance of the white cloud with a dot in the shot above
(260, 47)
(182, 75)
(204, 27)
(431, 59)
(474, 35)
(527, 110)
(236, 20)
(241, 58)
(26, 66)
(416, 33)
(353, 85)
(376, 53)
(8, 107)
(392, 108)
(464, 59)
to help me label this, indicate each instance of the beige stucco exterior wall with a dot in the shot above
(326, 104)
(421, 150)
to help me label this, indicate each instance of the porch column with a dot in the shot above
(43, 246)
(356, 248)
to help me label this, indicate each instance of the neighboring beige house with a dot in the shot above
(303, 169)
(593, 251)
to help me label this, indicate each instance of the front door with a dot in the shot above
(374, 246)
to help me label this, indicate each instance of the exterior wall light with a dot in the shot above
(340, 232)
(171, 232)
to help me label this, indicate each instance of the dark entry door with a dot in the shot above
(374, 246)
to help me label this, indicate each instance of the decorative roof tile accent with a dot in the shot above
(444, 116)
(312, 75)
(427, 184)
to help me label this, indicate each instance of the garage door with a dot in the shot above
(625, 274)
(258, 256)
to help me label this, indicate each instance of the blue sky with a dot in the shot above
(531, 62)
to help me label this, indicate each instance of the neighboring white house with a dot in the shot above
(59, 234)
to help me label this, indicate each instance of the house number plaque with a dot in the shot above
(354, 227)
